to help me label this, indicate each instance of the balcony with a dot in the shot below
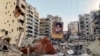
(23, 2)
(29, 27)
(34, 36)
(36, 23)
(30, 16)
(36, 27)
(21, 28)
(29, 35)
(46, 31)
(22, 6)
(36, 30)
(30, 12)
(29, 23)
(36, 33)
(21, 21)
(23, 14)
(29, 20)
(36, 16)
(29, 31)
(36, 19)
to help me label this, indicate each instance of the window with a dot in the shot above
(24, 0)
(29, 27)
(87, 33)
(22, 14)
(86, 22)
(86, 18)
(17, 11)
(6, 32)
(20, 28)
(31, 20)
(29, 35)
(86, 25)
(21, 21)
(30, 16)
(29, 31)
(22, 6)
(87, 29)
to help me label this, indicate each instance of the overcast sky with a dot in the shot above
(67, 9)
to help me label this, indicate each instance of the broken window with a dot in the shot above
(23, 6)
(17, 11)
(21, 21)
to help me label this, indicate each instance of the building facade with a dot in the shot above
(12, 16)
(96, 22)
(32, 21)
(18, 21)
(46, 25)
(85, 25)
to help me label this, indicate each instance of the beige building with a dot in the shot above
(45, 29)
(12, 16)
(46, 25)
(18, 21)
(54, 18)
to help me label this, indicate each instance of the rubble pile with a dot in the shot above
(43, 46)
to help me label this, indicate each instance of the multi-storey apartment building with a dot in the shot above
(46, 25)
(12, 16)
(18, 21)
(96, 22)
(85, 25)
(45, 29)
(32, 23)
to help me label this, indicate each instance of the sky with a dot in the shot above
(67, 9)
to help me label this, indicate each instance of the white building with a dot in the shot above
(32, 24)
